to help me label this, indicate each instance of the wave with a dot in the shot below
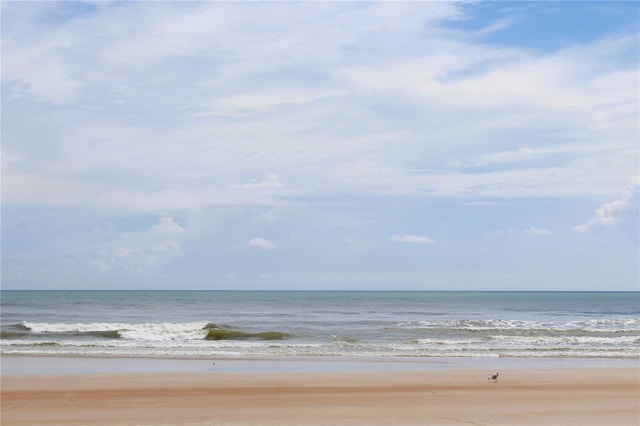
(226, 332)
(5, 334)
(239, 335)
(616, 325)
(19, 326)
(105, 334)
(204, 348)
(127, 331)
(141, 332)
(12, 331)
(43, 344)
(457, 338)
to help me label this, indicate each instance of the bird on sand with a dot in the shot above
(494, 377)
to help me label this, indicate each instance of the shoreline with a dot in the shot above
(81, 364)
(561, 396)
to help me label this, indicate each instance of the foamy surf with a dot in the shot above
(204, 324)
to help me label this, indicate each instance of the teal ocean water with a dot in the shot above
(290, 323)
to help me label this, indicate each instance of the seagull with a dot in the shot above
(494, 377)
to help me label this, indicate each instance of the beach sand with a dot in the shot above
(451, 397)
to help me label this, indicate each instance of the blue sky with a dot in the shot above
(320, 145)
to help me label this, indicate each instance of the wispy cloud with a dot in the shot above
(522, 154)
(249, 103)
(261, 102)
(271, 181)
(483, 203)
(414, 239)
(194, 123)
(532, 230)
(261, 243)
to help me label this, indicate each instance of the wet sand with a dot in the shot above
(451, 397)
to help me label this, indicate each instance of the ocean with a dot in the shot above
(204, 324)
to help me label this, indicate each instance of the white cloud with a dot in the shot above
(388, 106)
(249, 103)
(415, 239)
(167, 225)
(271, 181)
(141, 252)
(509, 232)
(23, 188)
(501, 232)
(496, 26)
(170, 247)
(261, 243)
(101, 265)
(269, 216)
(521, 154)
(40, 71)
(483, 203)
(538, 232)
(174, 107)
(614, 211)
(136, 260)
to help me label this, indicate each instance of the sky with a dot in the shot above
(320, 145)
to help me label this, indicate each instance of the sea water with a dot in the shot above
(324, 323)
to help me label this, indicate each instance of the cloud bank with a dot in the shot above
(156, 144)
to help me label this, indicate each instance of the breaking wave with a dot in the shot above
(149, 332)
(612, 337)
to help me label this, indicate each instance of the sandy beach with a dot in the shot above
(453, 397)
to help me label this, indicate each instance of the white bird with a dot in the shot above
(494, 377)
